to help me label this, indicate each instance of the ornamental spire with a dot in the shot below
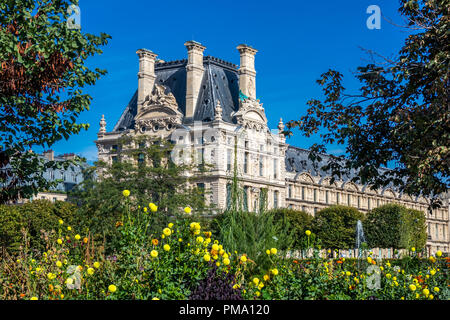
(102, 125)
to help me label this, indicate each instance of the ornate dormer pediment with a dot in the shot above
(251, 114)
(159, 111)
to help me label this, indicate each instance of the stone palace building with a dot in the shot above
(208, 107)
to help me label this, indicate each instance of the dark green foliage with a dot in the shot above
(398, 116)
(31, 219)
(395, 226)
(156, 180)
(42, 77)
(295, 222)
(216, 286)
(335, 226)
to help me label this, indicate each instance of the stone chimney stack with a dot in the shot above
(194, 75)
(247, 73)
(146, 75)
(49, 154)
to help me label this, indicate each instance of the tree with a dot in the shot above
(395, 226)
(297, 223)
(399, 117)
(145, 169)
(42, 74)
(335, 226)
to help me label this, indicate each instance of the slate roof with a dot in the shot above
(220, 83)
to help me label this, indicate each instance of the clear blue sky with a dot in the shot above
(296, 42)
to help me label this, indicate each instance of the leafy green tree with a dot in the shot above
(32, 221)
(395, 226)
(295, 222)
(400, 115)
(42, 76)
(335, 226)
(145, 169)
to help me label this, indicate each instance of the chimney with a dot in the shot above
(146, 75)
(194, 75)
(49, 154)
(247, 71)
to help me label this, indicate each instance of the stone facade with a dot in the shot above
(208, 108)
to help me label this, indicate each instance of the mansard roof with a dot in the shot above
(220, 83)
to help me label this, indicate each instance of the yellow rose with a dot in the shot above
(166, 247)
(438, 253)
(206, 257)
(426, 292)
(112, 288)
(243, 258)
(153, 207)
(96, 265)
(436, 289)
(77, 237)
(256, 281)
(308, 233)
(90, 271)
(60, 221)
(412, 287)
(226, 261)
(167, 231)
(274, 272)
(273, 251)
(59, 264)
(154, 253)
(126, 193)
(187, 210)
(34, 298)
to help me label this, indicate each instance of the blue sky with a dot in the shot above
(296, 42)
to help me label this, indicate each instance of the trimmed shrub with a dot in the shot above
(395, 226)
(295, 222)
(335, 226)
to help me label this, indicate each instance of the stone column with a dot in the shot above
(194, 75)
(247, 73)
(146, 75)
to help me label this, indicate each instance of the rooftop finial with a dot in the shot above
(218, 111)
(280, 125)
(102, 124)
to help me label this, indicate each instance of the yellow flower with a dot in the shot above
(51, 276)
(167, 231)
(243, 258)
(90, 271)
(388, 265)
(215, 247)
(60, 221)
(426, 292)
(268, 251)
(369, 259)
(59, 241)
(348, 273)
(430, 297)
(417, 296)
(432, 272)
(256, 281)
(308, 233)
(69, 281)
(170, 225)
(412, 287)
(402, 298)
(432, 259)
(187, 210)
(206, 257)
(218, 264)
(155, 298)
(438, 253)
(154, 253)
(69, 228)
(59, 264)
(261, 285)
(273, 251)
(112, 288)
(166, 247)
(436, 289)
(236, 286)
(85, 240)
(266, 277)
(153, 207)
(126, 193)
(199, 239)
(257, 293)
(413, 249)
(77, 237)
(226, 261)
(274, 272)
(388, 275)
(145, 209)
(34, 298)
(96, 265)
(180, 240)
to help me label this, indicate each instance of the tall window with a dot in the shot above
(359, 202)
(245, 198)
(290, 191)
(437, 231)
(261, 166)
(349, 200)
(368, 203)
(246, 161)
(228, 195)
(228, 159)
(327, 196)
(303, 193)
(338, 197)
(201, 188)
(275, 168)
(275, 199)
(315, 195)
